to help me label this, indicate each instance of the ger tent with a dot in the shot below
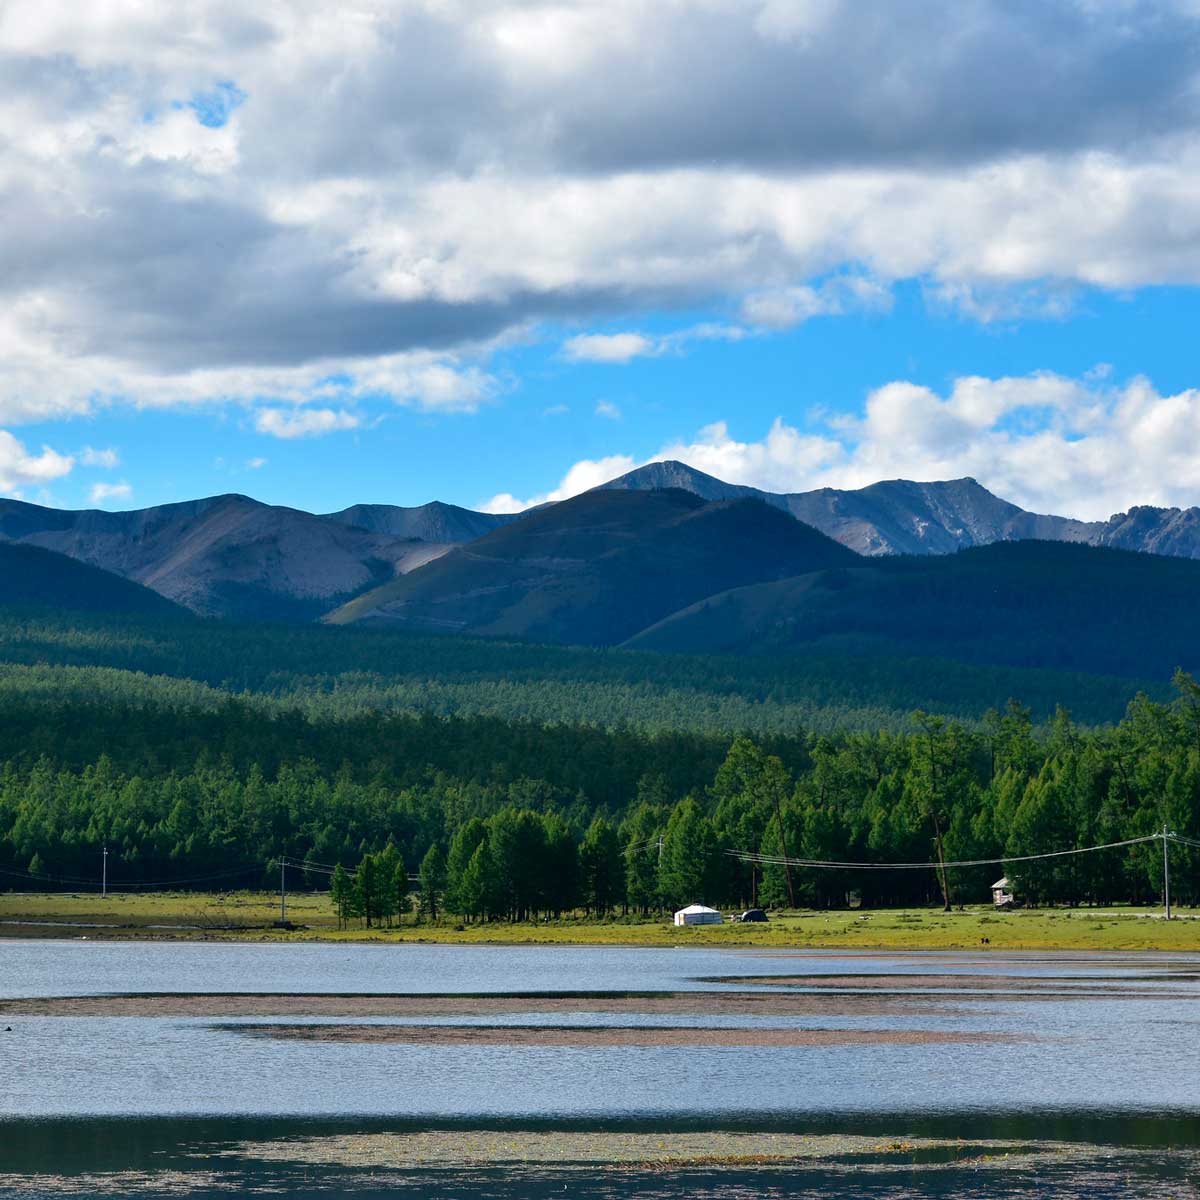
(698, 914)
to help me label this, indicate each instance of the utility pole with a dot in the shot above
(104, 873)
(787, 866)
(282, 891)
(1166, 876)
(941, 855)
(932, 726)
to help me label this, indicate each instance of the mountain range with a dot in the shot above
(600, 567)
(900, 516)
(231, 556)
(666, 557)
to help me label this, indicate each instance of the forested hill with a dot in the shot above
(33, 578)
(519, 820)
(1030, 603)
(197, 747)
(336, 673)
(667, 570)
(596, 569)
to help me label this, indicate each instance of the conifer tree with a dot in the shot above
(341, 895)
(480, 892)
(602, 868)
(368, 889)
(433, 881)
(690, 870)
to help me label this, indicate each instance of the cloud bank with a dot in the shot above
(218, 204)
(1076, 447)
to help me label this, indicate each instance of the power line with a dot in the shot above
(304, 866)
(654, 841)
(132, 884)
(230, 874)
(328, 869)
(308, 863)
(821, 864)
(19, 874)
(321, 869)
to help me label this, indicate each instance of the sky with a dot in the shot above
(495, 252)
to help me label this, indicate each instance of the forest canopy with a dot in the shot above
(534, 819)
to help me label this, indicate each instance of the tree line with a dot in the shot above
(337, 674)
(512, 821)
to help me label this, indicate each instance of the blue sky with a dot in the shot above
(549, 413)
(495, 253)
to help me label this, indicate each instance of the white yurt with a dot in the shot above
(698, 914)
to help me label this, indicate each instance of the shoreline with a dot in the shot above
(253, 917)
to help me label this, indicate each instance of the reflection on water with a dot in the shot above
(1076, 1075)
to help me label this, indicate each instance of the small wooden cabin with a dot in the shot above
(1002, 893)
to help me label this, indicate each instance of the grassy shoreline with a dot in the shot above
(248, 916)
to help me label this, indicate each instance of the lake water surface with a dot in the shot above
(1093, 1051)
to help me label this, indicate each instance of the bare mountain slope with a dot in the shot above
(901, 516)
(439, 523)
(224, 556)
(673, 474)
(596, 569)
(1171, 531)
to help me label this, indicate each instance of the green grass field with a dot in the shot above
(249, 916)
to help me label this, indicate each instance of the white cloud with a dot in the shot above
(303, 422)
(19, 468)
(625, 347)
(773, 464)
(609, 347)
(608, 410)
(425, 382)
(40, 380)
(106, 459)
(783, 308)
(255, 464)
(580, 478)
(102, 493)
(1076, 447)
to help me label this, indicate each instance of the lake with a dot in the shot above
(201, 1068)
